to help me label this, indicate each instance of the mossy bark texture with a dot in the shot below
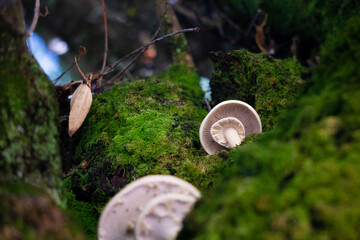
(28, 118)
(265, 83)
(301, 180)
(29, 153)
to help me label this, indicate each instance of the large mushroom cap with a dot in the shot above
(162, 218)
(119, 217)
(230, 109)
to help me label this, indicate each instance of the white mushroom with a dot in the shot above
(227, 124)
(119, 217)
(162, 218)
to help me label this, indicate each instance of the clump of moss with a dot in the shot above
(266, 83)
(301, 180)
(140, 128)
(186, 79)
(29, 213)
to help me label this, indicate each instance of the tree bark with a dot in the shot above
(28, 110)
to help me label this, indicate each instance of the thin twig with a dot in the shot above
(68, 69)
(106, 38)
(113, 79)
(195, 29)
(81, 73)
(35, 19)
(253, 22)
(208, 104)
(82, 52)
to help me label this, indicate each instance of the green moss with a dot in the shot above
(86, 213)
(186, 79)
(301, 180)
(28, 114)
(266, 83)
(140, 128)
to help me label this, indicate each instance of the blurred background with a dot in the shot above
(293, 28)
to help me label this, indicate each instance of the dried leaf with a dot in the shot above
(82, 51)
(260, 36)
(79, 108)
(74, 96)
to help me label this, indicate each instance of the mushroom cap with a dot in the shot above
(231, 108)
(162, 218)
(218, 129)
(118, 219)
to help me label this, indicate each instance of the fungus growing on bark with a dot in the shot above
(121, 215)
(227, 124)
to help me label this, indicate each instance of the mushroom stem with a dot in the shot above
(232, 137)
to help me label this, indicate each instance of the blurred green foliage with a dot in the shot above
(311, 20)
(301, 180)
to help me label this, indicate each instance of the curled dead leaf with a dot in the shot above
(79, 107)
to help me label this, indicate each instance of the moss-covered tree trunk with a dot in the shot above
(29, 153)
(28, 119)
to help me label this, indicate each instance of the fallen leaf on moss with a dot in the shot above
(79, 107)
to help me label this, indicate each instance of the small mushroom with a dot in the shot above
(227, 124)
(119, 218)
(162, 218)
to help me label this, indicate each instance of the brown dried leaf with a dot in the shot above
(82, 51)
(79, 108)
(74, 96)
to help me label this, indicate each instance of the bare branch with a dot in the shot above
(143, 50)
(195, 29)
(82, 52)
(35, 19)
(68, 69)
